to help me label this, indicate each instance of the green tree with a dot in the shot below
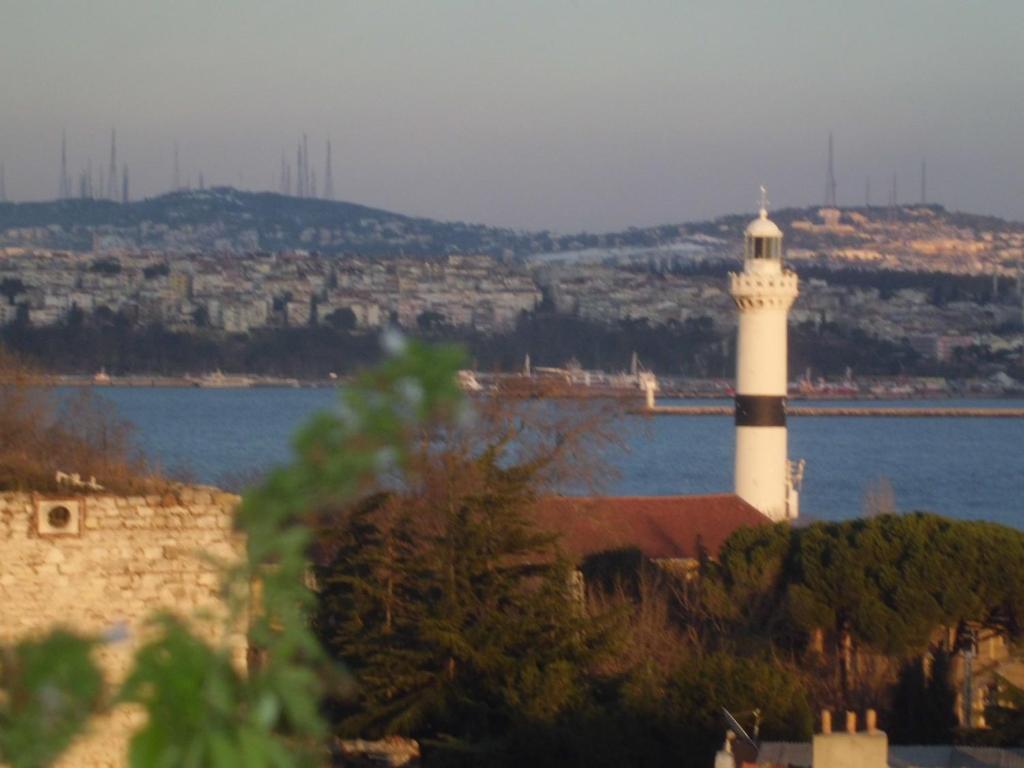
(455, 613)
(687, 714)
(884, 584)
(746, 587)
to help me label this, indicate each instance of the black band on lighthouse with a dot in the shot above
(760, 411)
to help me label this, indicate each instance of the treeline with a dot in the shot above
(122, 348)
(828, 349)
(696, 347)
(940, 287)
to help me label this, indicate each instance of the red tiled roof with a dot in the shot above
(659, 526)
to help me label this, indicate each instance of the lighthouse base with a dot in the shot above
(761, 467)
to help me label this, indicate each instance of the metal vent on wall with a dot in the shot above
(59, 517)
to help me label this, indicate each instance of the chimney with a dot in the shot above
(850, 748)
(871, 721)
(724, 757)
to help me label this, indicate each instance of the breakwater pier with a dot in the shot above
(896, 412)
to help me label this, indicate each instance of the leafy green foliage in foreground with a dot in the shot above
(202, 712)
(48, 689)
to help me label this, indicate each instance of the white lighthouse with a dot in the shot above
(763, 292)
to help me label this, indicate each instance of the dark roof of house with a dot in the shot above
(659, 526)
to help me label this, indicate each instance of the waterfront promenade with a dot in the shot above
(901, 412)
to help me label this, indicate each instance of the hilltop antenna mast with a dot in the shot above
(894, 196)
(298, 171)
(111, 192)
(328, 176)
(89, 193)
(177, 170)
(124, 183)
(830, 177)
(307, 190)
(65, 180)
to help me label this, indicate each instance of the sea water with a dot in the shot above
(971, 468)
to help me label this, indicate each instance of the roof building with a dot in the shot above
(661, 527)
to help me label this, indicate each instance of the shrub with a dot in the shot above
(44, 431)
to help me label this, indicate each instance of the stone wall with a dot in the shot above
(102, 565)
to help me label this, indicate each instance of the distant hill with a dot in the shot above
(229, 220)
(226, 219)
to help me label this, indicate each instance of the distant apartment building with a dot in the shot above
(939, 347)
(241, 316)
(8, 312)
(297, 313)
(180, 284)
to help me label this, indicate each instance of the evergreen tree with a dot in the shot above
(453, 611)
(363, 609)
(883, 584)
(689, 714)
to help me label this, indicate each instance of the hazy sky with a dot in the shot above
(530, 113)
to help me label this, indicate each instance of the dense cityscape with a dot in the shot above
(940, 284)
